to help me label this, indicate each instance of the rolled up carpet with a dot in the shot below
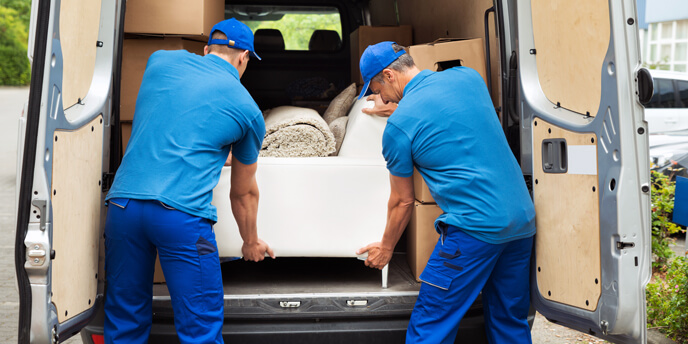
(292, 131)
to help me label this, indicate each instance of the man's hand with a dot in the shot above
(378, 256)
(255, 252)
(380, 108)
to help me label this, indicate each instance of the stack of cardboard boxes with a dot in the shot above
(421, 236)
(152, 25)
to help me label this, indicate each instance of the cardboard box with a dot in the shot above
(421, 236)
(420, 188)
(158, 277)
(364, 36)
(135, 54)
(446, 53)
(125, 129)
(173, 17)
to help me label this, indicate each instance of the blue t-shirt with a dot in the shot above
(446, 127)
(190, 110)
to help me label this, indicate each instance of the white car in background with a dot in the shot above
(667, 119)
(667, 111)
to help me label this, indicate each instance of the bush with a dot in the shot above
(667, 293)
(14, 65)
(662, 228)
(667, 301)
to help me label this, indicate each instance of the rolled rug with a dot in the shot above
(292, 131)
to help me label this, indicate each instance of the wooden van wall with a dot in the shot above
(443, 19)
(76, 206)
(79, 27)
(567, 243)
(571, 41)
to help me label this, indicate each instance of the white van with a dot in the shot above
(565, 77)
(667, 111)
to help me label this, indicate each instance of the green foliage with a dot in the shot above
(662, 64)
(662, 227)
(667, 301)
(22, 10)
(14, 65)
(298, 28)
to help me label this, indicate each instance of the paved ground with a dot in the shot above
(12, 100)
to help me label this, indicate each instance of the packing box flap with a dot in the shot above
(445, 53)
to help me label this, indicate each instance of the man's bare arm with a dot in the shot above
(380, 108)
(244, 196)
(399, 210)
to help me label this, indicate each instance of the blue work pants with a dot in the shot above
(134, 231)
(459, 268)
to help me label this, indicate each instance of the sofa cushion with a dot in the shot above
(340, 105)
(338, 128)
(363, 137)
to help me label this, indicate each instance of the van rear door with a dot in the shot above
(584, 150)
(60, 206)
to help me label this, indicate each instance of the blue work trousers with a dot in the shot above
(460, 268)
(134, 231)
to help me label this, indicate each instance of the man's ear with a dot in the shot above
(205, 50)
(387, 74)
(244, 56)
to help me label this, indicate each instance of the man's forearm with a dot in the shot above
(245, 210)
(398, 215)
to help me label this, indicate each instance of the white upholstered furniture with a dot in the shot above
(316, 207)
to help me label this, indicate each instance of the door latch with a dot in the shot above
(622, 245)
(554, 156)
(36, 254)
(290, 304)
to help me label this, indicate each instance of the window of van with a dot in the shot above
(279, 28)
(663, 96)
(682, 87)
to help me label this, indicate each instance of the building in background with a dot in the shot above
(663, 28)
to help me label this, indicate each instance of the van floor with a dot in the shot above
(284, 276)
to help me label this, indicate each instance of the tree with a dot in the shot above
(14, 65)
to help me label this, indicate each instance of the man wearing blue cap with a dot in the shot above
(445, 126)
(190, 111)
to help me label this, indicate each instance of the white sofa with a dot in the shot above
(316, 207)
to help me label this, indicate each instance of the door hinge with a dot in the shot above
(41, 204)
(107, 180)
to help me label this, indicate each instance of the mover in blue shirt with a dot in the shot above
(190, 111)
(445, 126)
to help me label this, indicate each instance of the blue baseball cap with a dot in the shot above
(374, 59)
(239, 36)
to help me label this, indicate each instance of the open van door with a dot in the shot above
(65, 152)
(574, 69)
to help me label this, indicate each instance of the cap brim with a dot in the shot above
(364, 90)
(253, 53)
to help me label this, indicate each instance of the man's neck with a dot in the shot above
(406, 76)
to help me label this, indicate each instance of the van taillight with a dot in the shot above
(98, 339)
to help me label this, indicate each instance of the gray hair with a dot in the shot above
(401, 64)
